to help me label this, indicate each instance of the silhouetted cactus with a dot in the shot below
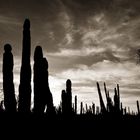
(109, 100)
(39, 105)
(121, 109)
(138, 108)
(47, 93)
(93, 108)
(109, 103)
(64, 102)
(103, 109)
(118, 91)
(69, 95)
(116, 101)
(105, 89)
(81, 108)
(125, 111)
(75, 105)
(42, 94)
(67, 99)
(8, 85)
(25, 73)
(86, 108)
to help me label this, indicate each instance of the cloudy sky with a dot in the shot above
(84, 40)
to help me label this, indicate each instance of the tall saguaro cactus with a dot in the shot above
(64, 102)
(8, 85)
(67, 99)
(42, 93)
(69, 95)
(39, 105)
(25, 73)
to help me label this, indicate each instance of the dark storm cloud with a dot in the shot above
(44, 19)
(55, 22)
(19, 8)
(72, 24)
(81, 9)
(114, 9)
(122, 13)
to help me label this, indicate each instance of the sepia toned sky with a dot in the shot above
(84, 40)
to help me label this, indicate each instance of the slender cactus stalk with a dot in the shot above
(138, 108)
(103, 109)
(81, 108)
(75, 104)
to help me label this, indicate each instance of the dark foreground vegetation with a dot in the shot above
(44, 115)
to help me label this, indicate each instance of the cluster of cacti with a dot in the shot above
(111, 107)
(67, 98)
(109, 100)
(87, 109)
(42, 95)
(43, 100)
